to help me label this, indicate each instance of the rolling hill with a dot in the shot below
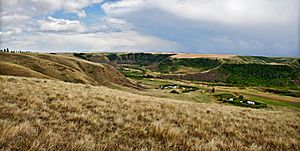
(82, 102)
(226, 69)
(61, 67)
(38, 114)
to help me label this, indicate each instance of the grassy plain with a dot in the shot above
(39, 114)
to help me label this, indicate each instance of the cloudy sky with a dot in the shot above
(245, 27)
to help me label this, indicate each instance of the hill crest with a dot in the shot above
(64, 68)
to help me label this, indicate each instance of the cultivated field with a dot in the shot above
(184, 55)
(37, 114)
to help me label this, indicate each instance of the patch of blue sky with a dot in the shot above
(110, 1)
(93, 14)
(64, 15)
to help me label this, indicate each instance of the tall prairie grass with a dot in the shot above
(38, 114)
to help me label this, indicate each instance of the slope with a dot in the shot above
(53, 115)
(64, 68)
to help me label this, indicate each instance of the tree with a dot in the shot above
(213, 90)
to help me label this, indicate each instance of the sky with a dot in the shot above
(242, 27)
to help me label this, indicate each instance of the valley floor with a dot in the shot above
(37, 114)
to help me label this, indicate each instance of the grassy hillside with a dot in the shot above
(163, 63)
(137, 58)
(7, 68)
(229, 69)
(267, 60)
(64, 68)
(38, 114)
(199, 64)
(259, 75)
(276, 76)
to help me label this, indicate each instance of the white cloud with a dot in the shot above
(105, 25)
(97, 42)
(61, 25)
(114, 24)
(6, 33)
(10, 35)
(249, 26)
(13, 18)
(234, 11)
(22, 14)
(200, 26)
(45, 7)
(123, 6)
(225, 11)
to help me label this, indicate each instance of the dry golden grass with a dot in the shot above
(38, 114)
(64, 68)
(220, 56)
(7, 68)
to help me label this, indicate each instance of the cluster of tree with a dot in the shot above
(5, 50)
(13, 51)
(137, 58)
(200, 63)
(297, 63)
(259, 75)
(259, 70)
(82, 55)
